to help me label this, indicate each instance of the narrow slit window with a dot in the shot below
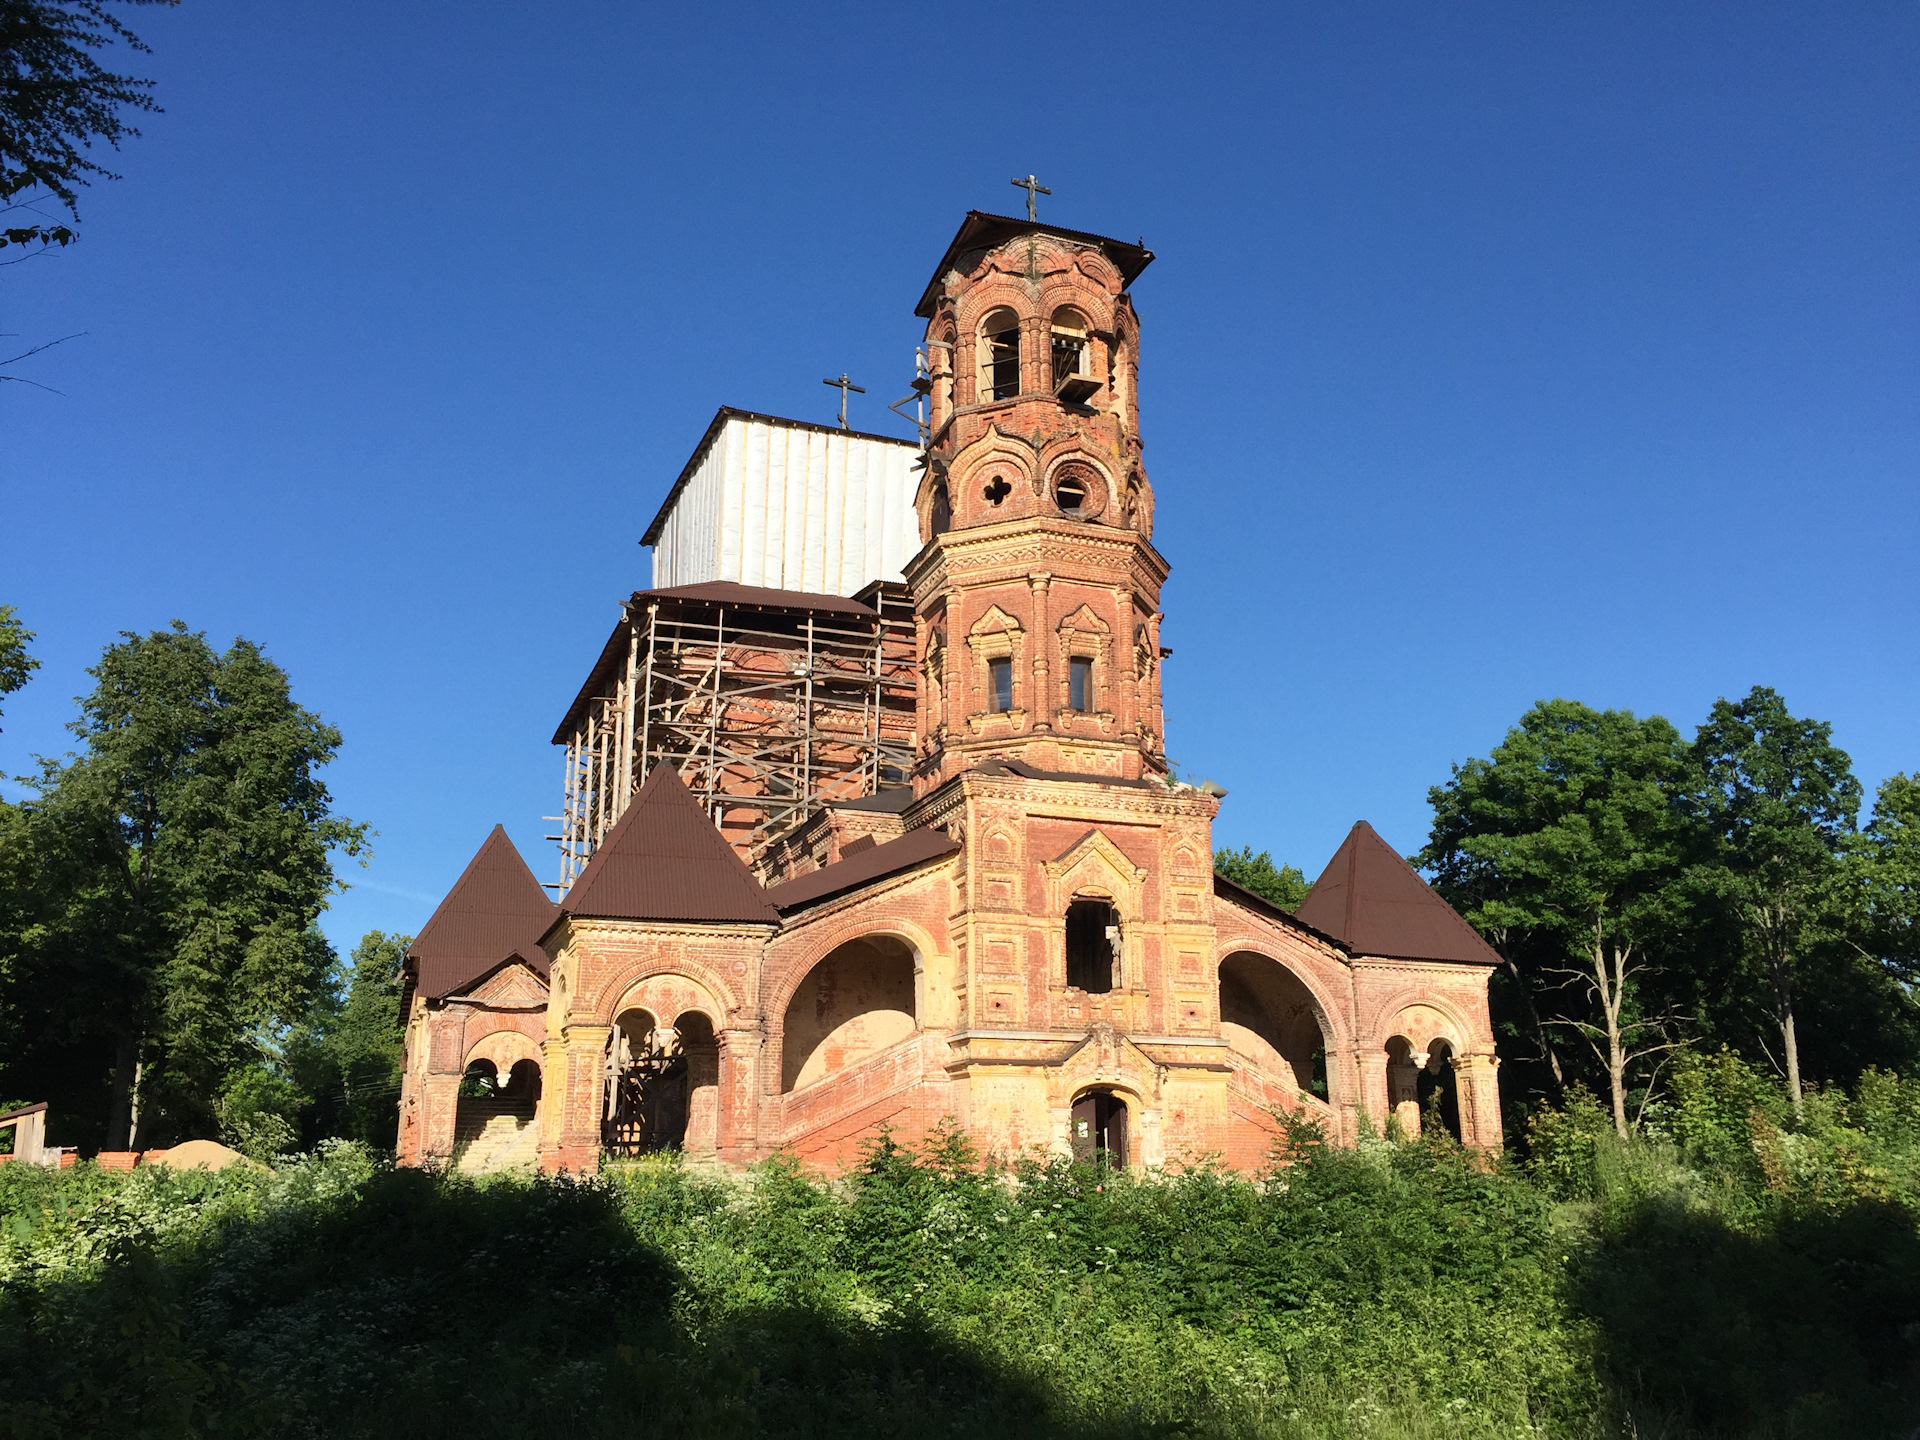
(1000, 685)
(1080, 684)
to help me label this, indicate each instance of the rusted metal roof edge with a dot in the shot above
(1265, 908)
(1131, 259)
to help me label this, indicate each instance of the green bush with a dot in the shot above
(1678, 1287)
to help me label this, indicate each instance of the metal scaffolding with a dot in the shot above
(768, 709)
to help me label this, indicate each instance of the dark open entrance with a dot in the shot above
(1093, 946)
(1098, 1128)
(1439, 1089)
(647, 1099)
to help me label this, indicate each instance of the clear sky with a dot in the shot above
(1492, 353)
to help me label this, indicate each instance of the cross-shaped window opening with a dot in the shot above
(1080, 684)
(1000, 685)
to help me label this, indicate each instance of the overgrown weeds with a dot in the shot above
(1681, 1286)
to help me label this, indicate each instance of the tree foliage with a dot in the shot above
(1282, 885)
(183, 857)
(1565, 849)
(344, 1057)
(57, 100)
(16, 664)
(1778, 802)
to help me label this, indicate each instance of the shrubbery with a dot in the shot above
(1734, 1274)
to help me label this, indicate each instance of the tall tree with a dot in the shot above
(1780, 801)
(1564, 848)
(190, 845)
(1283, 885)
(16, 664)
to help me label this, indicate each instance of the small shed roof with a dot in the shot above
(1374, 903)
(665, 860)
(495, 910)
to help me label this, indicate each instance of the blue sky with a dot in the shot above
(1493, 352)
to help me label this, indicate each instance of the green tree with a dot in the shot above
(1564, 848)
(16, 665)
(189, 848)
(1283, 885)
(346, 1055)
(1779, 799)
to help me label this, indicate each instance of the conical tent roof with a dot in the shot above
(495, 910)
(1374, 903)
(665, 860)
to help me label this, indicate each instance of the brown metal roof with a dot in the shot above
(980, 231)
(916, 847)
(1225, 889)
(720, 418)
(1375, 903)
(665, 860)
(495, 910)
(756, 597)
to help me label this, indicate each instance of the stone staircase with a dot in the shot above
(495, 1135)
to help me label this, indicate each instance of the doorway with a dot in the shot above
(1098, 1129)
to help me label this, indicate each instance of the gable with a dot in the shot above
(495, 909)
(665, 860)
(1374, 903)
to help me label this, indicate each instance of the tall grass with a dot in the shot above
(1733, 1275)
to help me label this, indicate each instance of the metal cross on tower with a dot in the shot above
(1032, 187)
(845, 385)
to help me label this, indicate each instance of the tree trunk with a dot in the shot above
(126, 1059)
(1539, 1027)
(1610, 987)
(1792, 1045)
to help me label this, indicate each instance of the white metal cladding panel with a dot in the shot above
(792, 509)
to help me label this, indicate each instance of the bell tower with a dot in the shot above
(1037, 592)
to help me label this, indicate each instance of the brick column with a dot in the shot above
(573, 1096)
(1478, 1076)
(1372, 1099)
(740, 1100)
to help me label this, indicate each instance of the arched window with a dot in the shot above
(1073, 378)
(941, 519)
(1093, 946)
(1000, 355)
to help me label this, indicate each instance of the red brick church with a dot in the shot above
(869, 820)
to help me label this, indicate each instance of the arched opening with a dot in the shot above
(1268, 1016)
(1093, 946)
(1000, 355)
(940, 518)
(1069, 344)
(854, 1003)
(1439, 1088)
(1097, 1128)
(1403, 1085)
(493, 1111)
(523, 1082)
(647, 1086)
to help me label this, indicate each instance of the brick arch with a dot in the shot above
(1385, 1020)
(855, 925)
(503, 1047)
(666, 990)
(1325, 1010)
(859, 1009)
